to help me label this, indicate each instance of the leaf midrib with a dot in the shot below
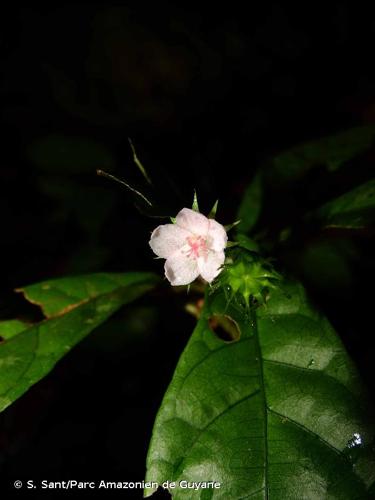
(23, 373)
(203, 430)
(37, 334)
(264, 398)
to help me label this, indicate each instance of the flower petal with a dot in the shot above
(192, 221)
(217, 236)
(167, 239)
(209, 267)
(180, 269)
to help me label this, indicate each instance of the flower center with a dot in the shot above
(197, 246)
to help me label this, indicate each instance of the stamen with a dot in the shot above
(198, 246)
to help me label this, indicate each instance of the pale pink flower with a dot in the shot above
(193, 246)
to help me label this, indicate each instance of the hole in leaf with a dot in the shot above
(224, 327)
(2, 339)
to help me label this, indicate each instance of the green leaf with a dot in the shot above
(279, 413)
(73, 308)
(10, 328)
(326, 265)
(332, 151)
(352, 210)
(251, 204)
(248, 243)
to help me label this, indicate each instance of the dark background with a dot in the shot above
(206, 95)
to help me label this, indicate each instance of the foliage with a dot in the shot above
(279, 412)
(264, 399)
(73, 307)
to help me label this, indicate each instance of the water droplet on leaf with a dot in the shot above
(356, 440)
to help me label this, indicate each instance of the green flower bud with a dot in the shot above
(247, 277)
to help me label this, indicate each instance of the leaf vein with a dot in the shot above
(309, 370)
(211, 422)
(209, 354)
(307, 430)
